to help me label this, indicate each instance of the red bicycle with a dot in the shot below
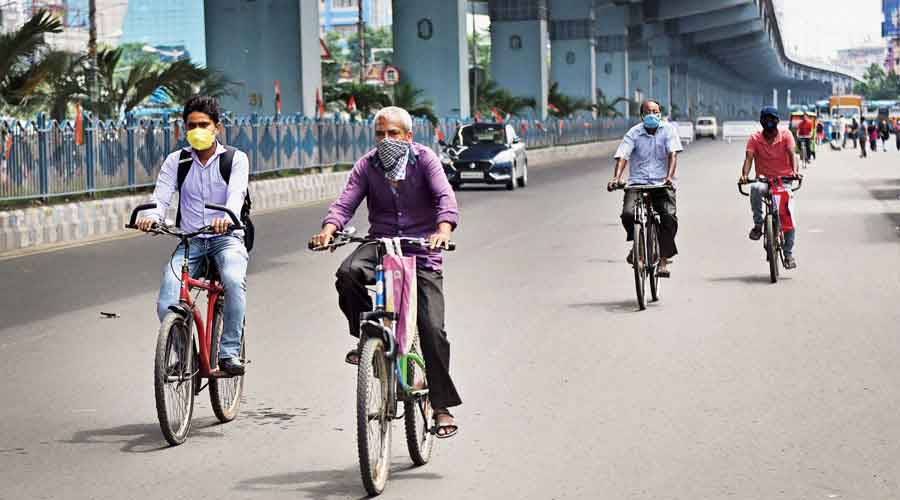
(180, 366)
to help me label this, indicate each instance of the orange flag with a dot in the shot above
(79, 125)
(177, 128)
(320, 106)
(277, 97)
(7, 147)
(439, 133)
(496, 114)
(477, 116)
(351, 104)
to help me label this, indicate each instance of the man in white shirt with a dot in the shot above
(205, 183)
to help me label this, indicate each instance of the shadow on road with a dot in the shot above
(749, 279)
(618, 306)
(136, 438)
(324, 484)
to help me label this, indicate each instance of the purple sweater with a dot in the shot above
(414, 209)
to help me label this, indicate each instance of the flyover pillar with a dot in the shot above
(519, 40)
(679, 91)
(613, 65)
(247, 56)
(431, 51)
(573, 58)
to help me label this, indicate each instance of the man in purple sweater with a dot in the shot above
(408, 195)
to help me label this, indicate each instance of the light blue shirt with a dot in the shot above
(648, 154)
(203, 184)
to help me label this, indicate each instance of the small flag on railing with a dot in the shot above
(477, 116)
(439, 134)
(79, 125)
(177, 129)
(523, 127)
(496, 115)
(351, 104)
(277, 97)
(7, 146)
(552, 107)
(320, 106)
(539, 126)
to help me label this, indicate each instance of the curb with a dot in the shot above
(30, 230)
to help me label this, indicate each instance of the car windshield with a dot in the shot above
(480, 134)
(704, 122)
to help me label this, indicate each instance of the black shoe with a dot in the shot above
(231, 366)
(630, 258)
(756, 232)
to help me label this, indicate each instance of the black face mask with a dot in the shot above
(769, 125)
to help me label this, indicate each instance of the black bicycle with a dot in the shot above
(645, 254)
(387, 376)
(773, 236)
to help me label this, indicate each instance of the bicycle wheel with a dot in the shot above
(771, 255)
(418, 414)
(653, 258)
(640, 268)
(225, 393)
(173, 378)
(373, 424)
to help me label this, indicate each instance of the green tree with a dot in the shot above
(22, 69)
(607, 109)
(64, 83)
(492, 96)
(409, 98)
(878, 85)
(561, 105)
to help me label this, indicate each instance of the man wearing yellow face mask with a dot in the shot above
(206, 173)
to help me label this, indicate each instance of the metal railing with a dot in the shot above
(44, 159)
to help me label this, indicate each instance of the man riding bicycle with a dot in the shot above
(804, 136)
(407, 195)
(204, 184)
(651, 149)
(773, 152)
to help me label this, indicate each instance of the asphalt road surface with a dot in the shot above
(729, 387)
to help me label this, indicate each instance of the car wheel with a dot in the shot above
(511, 183)
(523, 181)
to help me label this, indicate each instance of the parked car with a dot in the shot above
(706, 126)
(485, 153)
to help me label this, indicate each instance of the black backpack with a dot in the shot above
(225, 161)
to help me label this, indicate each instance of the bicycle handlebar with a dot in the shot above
(640, 187)
(163, 228)
(345, 237)
(784, 178)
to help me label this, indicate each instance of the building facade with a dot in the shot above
(343, 15)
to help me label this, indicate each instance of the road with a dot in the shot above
(729, 387)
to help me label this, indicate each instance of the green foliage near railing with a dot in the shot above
(879, 85)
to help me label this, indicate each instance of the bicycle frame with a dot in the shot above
(204, 329)
(645, 215)
(389, 332)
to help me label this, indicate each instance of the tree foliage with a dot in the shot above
(563, 106)
(878, 85)
(492, 96)
(21, 67)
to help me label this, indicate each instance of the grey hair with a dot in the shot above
(394, 113)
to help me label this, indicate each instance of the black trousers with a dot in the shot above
(664, 203)
(357, 270)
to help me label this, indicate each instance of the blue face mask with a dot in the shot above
(651, 121)
(770, 124)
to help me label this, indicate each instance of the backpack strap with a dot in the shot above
(225, 162)
(185, 161)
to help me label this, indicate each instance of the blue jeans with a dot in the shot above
(757, 190)
(231, 259)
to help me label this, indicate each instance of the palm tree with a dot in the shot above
(407, 97)
(562, 105)
(20, 70)
(215, 84)
(492, 96)
(119, 95)
(64, 82)
(608, 109)
(367, 97)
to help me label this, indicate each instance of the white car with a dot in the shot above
(706, 126)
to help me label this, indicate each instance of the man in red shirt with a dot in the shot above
(773, 151)
(804, 135)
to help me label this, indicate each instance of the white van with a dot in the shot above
(706, 126)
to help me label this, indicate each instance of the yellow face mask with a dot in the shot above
(201, 139)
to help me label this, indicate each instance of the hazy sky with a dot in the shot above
(818, 28)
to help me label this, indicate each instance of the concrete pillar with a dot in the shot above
(287, 50)
(573, 59)
(519, 40)
(613, 65)
(641, 77)
(679, 91)
(431, 51)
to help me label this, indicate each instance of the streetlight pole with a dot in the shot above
(361, 33)
(92, 51)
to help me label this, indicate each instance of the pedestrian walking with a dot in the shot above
(861, 134)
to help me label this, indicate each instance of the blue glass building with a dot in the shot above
(167, 23)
